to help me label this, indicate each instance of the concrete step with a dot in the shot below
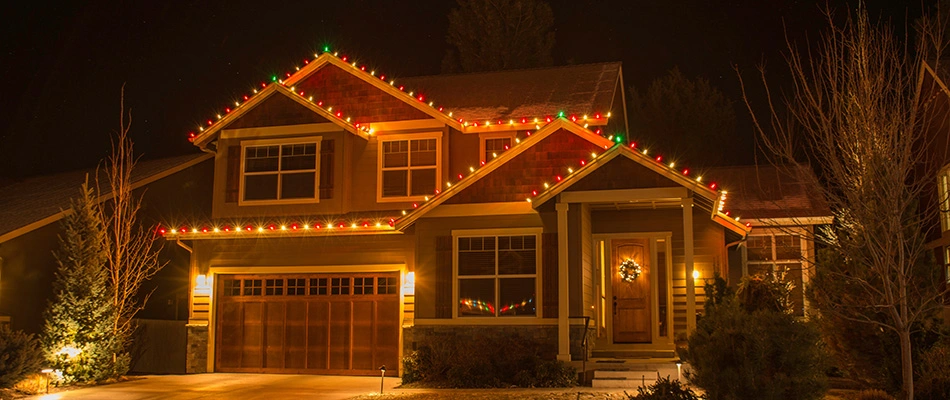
(617, 383)
(608, 374)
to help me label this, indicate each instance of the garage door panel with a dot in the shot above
(340, 335)
(274, 334)
(308, 323)
(295, 337)
(363, 338)
(252, 355)
(318, 335)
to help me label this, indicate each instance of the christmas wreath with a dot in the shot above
(630, 270)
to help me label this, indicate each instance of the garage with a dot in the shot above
(345, 324)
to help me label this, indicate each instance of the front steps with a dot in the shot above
(630, 374)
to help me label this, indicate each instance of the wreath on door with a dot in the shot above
(630, 270)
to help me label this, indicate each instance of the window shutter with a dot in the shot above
(443, 277)
(326, 169)
(549, 289)
(233, 180)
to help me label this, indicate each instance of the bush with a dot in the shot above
(763, 354)
(665, 389)
(490, 360)
(872, 394)
(20, 355)
(933, 381)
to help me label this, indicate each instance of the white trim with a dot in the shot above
(483, 137)
(793, 221)
(280, 143)
(498, 232)
(264, 131)
(383, 128)
(482, 209)
(379, 165)
(624, 195)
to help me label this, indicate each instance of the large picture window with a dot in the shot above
(409, 168)
(497, 275)
(280, 171)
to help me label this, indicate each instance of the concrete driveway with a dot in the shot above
(231, 386)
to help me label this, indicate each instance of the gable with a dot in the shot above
(527, 172)
(345, 92)
(276, 110)
(621, 173)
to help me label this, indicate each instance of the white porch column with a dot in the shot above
(688, 255)
(563, 306)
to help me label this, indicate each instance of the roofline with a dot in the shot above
(206, 136)
(370, 77)
(637, 157)
(135, 185)
(545, 131)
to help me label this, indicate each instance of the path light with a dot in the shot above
(679, 370)
(46, 372)
(382, 377)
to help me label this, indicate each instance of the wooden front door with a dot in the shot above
(631, 299)
(344, 324)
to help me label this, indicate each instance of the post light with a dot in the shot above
(679, 370)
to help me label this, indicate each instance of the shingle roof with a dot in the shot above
(763, 192)
(580, 89)
(36, 199)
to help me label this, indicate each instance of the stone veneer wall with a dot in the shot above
(546, 335)
(196, 360)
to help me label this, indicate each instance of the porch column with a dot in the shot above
(563, 306)
(688, 256)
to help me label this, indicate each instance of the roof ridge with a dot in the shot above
(468, 74)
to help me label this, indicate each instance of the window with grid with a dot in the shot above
(252, 287)
(232, 287)
(495, 146)
(779, 255)
(497, 275)
(408, 168)
(281, 171)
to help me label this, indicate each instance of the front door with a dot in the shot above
(631, 291)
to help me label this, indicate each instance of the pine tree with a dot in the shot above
(79, 319)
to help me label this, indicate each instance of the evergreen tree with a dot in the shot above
(494, 35)
(79, 318)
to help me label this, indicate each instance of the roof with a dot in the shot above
(522, 93)
(35, 202)
(768, 192)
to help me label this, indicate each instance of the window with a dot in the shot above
(277, 170)
(779, 255)
(497, 275)
(943, 191)
(492, 145)
(409, 168)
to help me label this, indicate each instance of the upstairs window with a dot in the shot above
(409, 168)
(280, 170)
(492, 145)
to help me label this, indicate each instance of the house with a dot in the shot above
(785, 208)
(30, 211)
(936, 96)
(355, 216)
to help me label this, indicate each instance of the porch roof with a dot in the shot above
(767, 193)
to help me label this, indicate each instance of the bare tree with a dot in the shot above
(132, 249)
(856, 112)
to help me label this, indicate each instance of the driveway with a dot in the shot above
(231, 386)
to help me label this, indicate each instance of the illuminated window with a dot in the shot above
(409, 168)
(779, 255)
(497, 275)
(943, 191)
(495, 146)
(280, 170)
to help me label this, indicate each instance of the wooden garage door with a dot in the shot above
(308, 324)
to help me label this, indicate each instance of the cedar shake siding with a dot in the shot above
(365, 103)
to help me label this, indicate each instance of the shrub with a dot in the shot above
(933, 381)
(490, 360)
(765, 353)
(20, 355)
(665, 389)
(872, 394)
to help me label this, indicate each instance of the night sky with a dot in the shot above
(62, 66)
